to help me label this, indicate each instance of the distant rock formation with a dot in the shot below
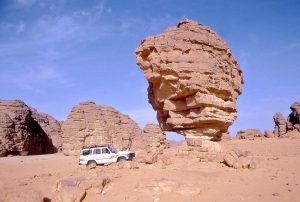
(283, 126)
(293, 121)
(280, 124)
(90, 124)
(249, 134)
(226, 137)
(154, 139)
(194, 81)
(20, 133)
(269, 134)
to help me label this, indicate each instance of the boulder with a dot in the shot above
(24, 195)
(280, 124)
(19, 132)
(75, 189)
(238, 159)
(194, 80)
(91, 124)
(249, 134)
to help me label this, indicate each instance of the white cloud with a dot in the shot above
(29, 78)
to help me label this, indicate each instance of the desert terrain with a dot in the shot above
(181, 178)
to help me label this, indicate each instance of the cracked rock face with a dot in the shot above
(20, 133)
(91, 124)
(194, 80)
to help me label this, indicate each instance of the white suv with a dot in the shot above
(93, 155)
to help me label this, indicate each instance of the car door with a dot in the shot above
(107, 156)
(97, 155)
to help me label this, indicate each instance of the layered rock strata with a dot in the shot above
(19, 132)
(91, 124)
(194, 81)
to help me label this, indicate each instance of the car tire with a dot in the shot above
(92, 164)
(121, 159)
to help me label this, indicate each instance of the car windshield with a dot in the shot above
(112, 149)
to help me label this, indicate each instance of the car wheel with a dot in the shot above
(121, 159)
(91, 164)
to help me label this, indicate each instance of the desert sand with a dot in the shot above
(179, 178)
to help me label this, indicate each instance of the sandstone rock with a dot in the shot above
(19, 132)
(24, 195)
(51, 127)
(90, 124)
(75, 189)
(194, 80)
(239, 159)
(280, 124)
(154, 139)
(269, 134)
(249, 134)
(226, 137)
(293, 121)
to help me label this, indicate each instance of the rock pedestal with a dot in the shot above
(194, 81)
(280, 124)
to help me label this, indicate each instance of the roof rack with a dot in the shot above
(93, 146)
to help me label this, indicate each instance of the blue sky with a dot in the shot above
(55, 54)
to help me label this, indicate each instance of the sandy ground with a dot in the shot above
(277, 177)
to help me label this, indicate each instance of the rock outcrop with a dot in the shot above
(249, 134)
(269, 134)
(194, 80)
(51, 127)
(154, 139)
(293, 121)
(19, 132)
(239, 159)
(280, 124)
(153, 143)
(90, 124)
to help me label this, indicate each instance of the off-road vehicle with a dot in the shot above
(103, 154)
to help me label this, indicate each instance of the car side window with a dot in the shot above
(105, 151)
(96, 151)
(86, 152)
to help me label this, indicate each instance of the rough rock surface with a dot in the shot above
(51, 127)
(194, 80)
(249, 134)
(74, 189)
(90, 124)
(226, 137)
(269, 134)
(152, 144)
(239, 159)
(293, 121)
(280, 124)
(154, 139)
(19, 132)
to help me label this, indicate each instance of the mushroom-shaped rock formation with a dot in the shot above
(91, 124)
(194, 81)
